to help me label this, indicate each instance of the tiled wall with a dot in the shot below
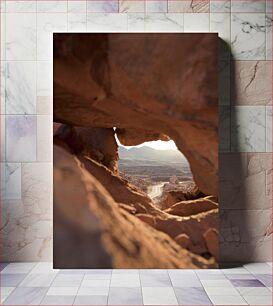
(245, 104)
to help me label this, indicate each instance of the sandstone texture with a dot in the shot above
(155, 84)
(97, 233)
(136, 87)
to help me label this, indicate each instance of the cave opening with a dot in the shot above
(160, 170)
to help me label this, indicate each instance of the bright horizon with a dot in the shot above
(157, 145)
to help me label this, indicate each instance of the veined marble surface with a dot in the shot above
(245, 98)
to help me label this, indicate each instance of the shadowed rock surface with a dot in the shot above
(94, 86)
(97, 233)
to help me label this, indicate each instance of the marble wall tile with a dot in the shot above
(220, 23)
(3, 87)
(44, 102)
(100, 6)
(268, 23)
(248, 36)
(20, 91)
(244, 181)
(24, 235)
(153, 6)
(248, 6)
(44, 138)
(252, 83)
(21, 6)
(77, 22)
(20, 36)
(220, 6)
(37, 189)
(47, 24)
(224, 82)
(159, 22)
(3, 37)
(268, 128)
(77, 6)
(131, 6)
(44, 78)
(3, 138)
(224, 129)
(136, 22)
(58, 6)
(11, 181)
(188, 6)
(3, 6)
(196, 22)
(20, 138)
(245, 235)
(100, 22)
(248, 129)
(269, 6)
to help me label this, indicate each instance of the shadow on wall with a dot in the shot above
(237, 228)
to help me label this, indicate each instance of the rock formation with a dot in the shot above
(100, 219)
(90, 230)
(191, 207)
(161, 85)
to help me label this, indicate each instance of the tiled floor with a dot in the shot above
(39, 284)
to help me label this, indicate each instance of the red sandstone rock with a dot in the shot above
(96, 143)
(183, 240)
(91, 231)
(94, 86)
(212, 240)
(193, 207)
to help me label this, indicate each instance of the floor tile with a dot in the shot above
(205, 275)
(62, 291)
(84, 291)
(44, 267)
(99, 271)
(16, 268)
(216, 283)
(258, 300)
(258, 268)
(96, 283)
(38, 280)
(254, 291)
(90, 300)
(11, 280)
(184, 278)
(26, 296)
(58, 300)
(121, 280)
(227, 300)
(159, 280)
(5, 292)
(125, 271)
(266, 279)
(159, 296)
(97, 276)
(125, 296)
(192, 296)
(235, 271)
(246, 283)
(74, 271)
(221, 291)
(3, 265)
(67, 280)
(240, 276)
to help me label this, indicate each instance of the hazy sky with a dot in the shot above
(157, 145)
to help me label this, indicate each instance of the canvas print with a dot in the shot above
(135, 150)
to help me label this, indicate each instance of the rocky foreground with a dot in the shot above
(102, 221)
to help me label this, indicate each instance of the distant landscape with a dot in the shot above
(155, 165)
